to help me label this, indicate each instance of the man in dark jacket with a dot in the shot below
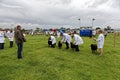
(19, 41)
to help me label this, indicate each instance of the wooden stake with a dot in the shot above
(114, 39)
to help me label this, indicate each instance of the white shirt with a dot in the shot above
(100, 41)
(58, 34)
(2, 37)
(53, 39)
(78, 40)
(7, 34)
(66, 38)
(94, 32)
(11, 36)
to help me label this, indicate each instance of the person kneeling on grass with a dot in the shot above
(52, 41)
(100, 41)
(77, 41)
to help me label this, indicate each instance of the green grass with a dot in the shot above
(41, 62)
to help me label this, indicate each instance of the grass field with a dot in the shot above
(41, 62)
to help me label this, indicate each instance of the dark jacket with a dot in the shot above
(19, 36)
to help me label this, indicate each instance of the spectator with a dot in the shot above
(105, 33)
(19, 41)
(2, 39)
(11, 38)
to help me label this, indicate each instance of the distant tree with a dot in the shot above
(105, 29)
(23, 30)
(37, 29)
(108, 28)
(98, 28)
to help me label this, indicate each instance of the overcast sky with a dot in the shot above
(61, 12)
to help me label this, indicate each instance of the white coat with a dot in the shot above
(7, 34)
(11, 36)
(100, 41)
(53, 39)
(66, 38)
(78, 40)
(94, 32)
(2, 37)
(58, 34)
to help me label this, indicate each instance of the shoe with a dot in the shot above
(19, 57)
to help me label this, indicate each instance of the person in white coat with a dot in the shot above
(52, 41)
(100, 41)
(66, 38)
(77, 41)
(11, 38)
(2, 39)
(94, 33)
(58, 34)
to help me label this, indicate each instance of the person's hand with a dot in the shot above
(73, 43)
(94, 39)
(61, 42)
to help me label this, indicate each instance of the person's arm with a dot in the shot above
(99, 38)
(75, 39)
(19, 35)
(63, 38)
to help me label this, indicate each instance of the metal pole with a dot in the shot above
(79, 22)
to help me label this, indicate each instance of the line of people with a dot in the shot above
(67, 39)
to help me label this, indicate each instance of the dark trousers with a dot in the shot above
(67, 45)
(11, 44)
(49, 43)
(76, 48)
(20, 47)
(1, 45)
(53, 45)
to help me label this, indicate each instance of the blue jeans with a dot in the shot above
(1, 45)
(20, 47)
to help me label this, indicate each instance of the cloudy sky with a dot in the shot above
(61, 12)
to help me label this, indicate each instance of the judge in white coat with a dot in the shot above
(58, 34)
(100, 41)
(52, 41)
(11, 38)
(2, 39)
(66, 38)
(77, 41)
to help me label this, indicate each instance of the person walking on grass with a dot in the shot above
(100, 41)
(19, 41)
(77, 41)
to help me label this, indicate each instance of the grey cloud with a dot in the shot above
(57, 12)
(96, 3)
(116, 3)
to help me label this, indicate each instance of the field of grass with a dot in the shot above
(41, 62)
